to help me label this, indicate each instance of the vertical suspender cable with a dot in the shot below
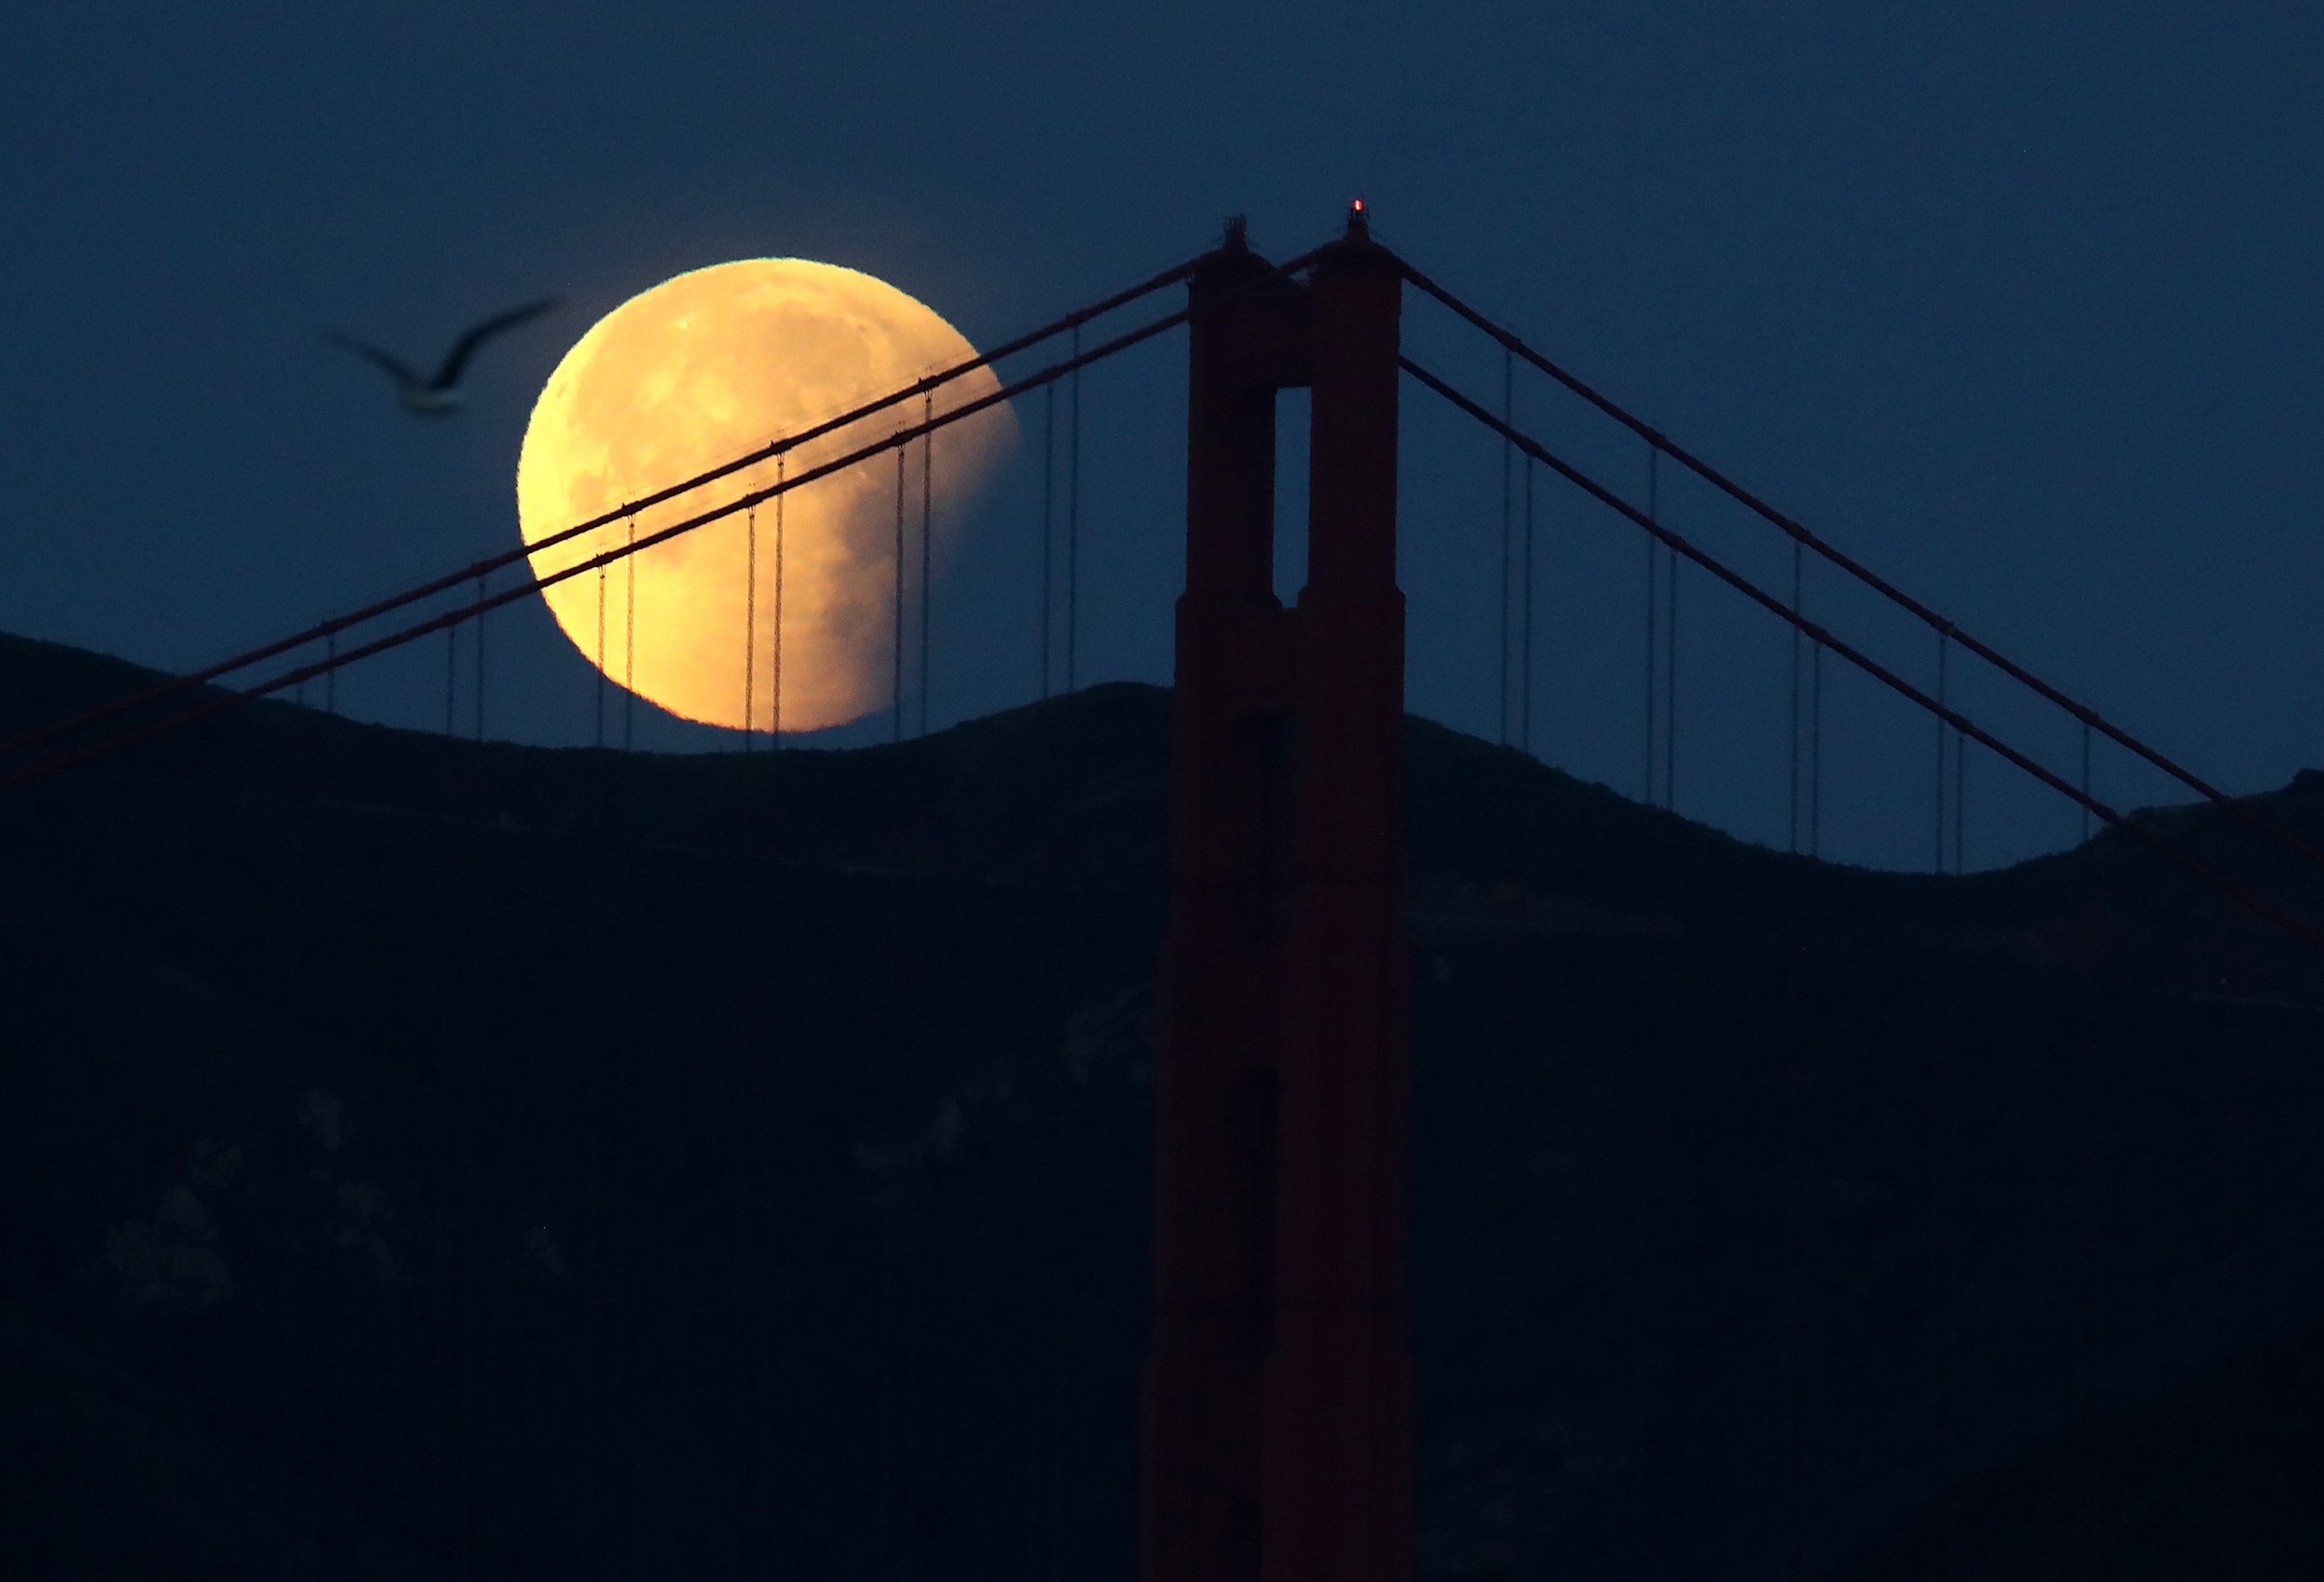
(1508, 453)
(1961, 786)
(1670, 680)
(750, 623)
(1795, 698)
(1803, 1040)
(451, 673)
(1072, 518)
(2085, 779)
(1654, 607)
(480, 657)
(1815, 751)
(895, 685)
(1525, 718)
(630, 645)
(1049, 479)
(774, 724)
(601, 656)
(927, 496)
(1944, 642)
(331, 677)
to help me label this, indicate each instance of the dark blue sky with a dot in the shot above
(2017, 304)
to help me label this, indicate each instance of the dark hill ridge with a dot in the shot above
(2217, 1480)
(610, 1138)
(88, 1439)
(1072, 792)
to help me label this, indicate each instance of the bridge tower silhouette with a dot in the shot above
(1279, 1391)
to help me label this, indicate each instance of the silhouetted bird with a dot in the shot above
(440, 396)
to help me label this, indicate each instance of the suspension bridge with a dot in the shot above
(1278, 1402)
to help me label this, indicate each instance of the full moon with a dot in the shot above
(704, 369)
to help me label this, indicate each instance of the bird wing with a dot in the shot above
(394, 365)
(464, 348)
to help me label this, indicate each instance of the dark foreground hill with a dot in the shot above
(2217, 1479)
(561, 1163)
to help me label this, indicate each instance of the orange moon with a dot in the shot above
(703, 369)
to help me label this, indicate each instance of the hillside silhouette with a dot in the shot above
(562, 1162)
(2216, 1479)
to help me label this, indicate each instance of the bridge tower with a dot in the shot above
(1278, 1391)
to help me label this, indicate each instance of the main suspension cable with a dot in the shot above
(193, 679)
(231, 698)
(2238, 893)
(2235, 806)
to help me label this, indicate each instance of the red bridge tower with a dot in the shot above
(1278, 1393)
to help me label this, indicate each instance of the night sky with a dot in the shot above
(2016, 304)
